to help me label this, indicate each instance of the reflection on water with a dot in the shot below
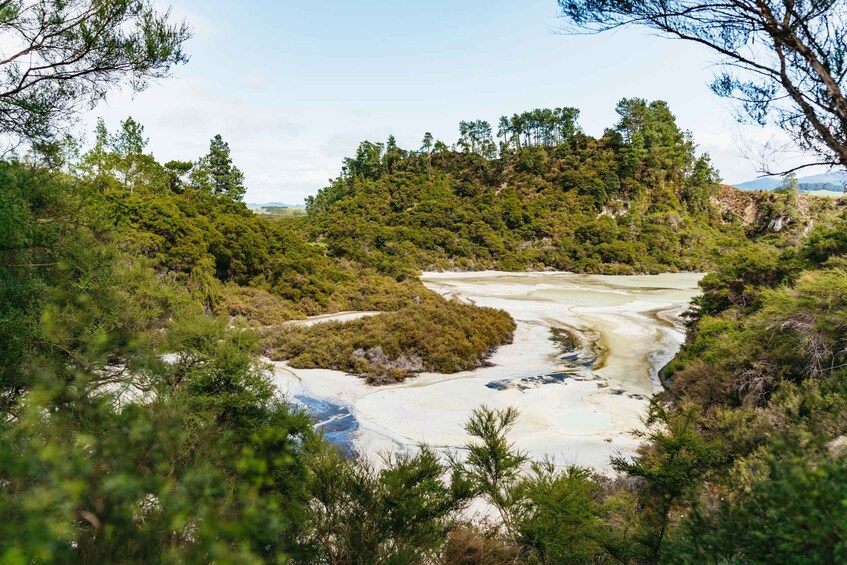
(336, 421)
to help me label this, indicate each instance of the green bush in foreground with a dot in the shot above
(798, 514)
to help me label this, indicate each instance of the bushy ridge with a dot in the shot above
(187, 218)
(637, 199)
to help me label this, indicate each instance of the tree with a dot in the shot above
(493, 463)
(128, 145)
(476, 138)
(785, 60)
(398, 514)
(426, 144)
(558, 517)
(60, 56)
(393, 154)
(650, 142)
(119, 159)
(504, 130)
(700, 185)
(797, 514)
(216, 174)
(177, 170)
(130, 139)
(368, 161)
(672, 465)
(539, 127)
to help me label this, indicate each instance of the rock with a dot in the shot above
(377, 358)
(838, 447)
(777, 224)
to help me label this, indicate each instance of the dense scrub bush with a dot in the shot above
(435, 335)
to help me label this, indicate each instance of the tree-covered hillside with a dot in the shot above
(187, 218)
(111, 268)
(637, 199)
(117, 268)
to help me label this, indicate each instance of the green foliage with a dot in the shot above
(254, 306)
(640, 185)
(137, 425)
(755, 372)
(560, 517)
(185, 218)
(550, 514)
(475, 137)
(827, 245)
(797, 514)
(764, 367)
(110, 451)
(216, 174)
(743, 273)
(76, 300)
(400, 514)
(66, 54)
(493, 464)
(539, 127)
(28, 197)
(107, 480)
(431, 335)
(672, 465)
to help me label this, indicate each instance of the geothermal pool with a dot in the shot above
(579, 400)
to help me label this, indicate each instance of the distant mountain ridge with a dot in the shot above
(834, 182)
(256, 206)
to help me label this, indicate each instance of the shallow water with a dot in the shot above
(579, 406)
(335, 421)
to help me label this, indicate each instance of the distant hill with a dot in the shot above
(766, 183)
(257, 206)
(833, 182)
(572, 203)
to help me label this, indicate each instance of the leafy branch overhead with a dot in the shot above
(61, 55)
(785, 60)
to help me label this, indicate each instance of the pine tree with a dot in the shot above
(216, 174)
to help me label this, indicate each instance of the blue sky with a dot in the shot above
(294, 86)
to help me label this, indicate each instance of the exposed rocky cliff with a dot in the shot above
(773, 212)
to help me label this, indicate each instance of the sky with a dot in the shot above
(294, 86)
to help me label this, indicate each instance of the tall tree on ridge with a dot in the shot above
(426, 144)
(121, 157)
(216, 174)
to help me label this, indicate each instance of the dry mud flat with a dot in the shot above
(579, 396)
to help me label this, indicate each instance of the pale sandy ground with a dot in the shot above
(829, 193)
(337, 317)
(635, 320)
